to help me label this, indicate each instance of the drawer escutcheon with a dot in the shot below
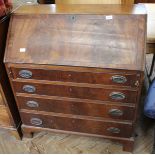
(114, 130)
(29, 88)
(115, 112)
(117, 96)
(32, 104)
(25, 74)
(36, 121)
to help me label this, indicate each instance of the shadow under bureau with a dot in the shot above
(78, 68)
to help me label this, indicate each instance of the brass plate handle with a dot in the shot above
(114, 130)
(32, 104)
(25, 74)
(36, 121)
(119, 79)
(29, 88)
(117, 96)
(115, 112)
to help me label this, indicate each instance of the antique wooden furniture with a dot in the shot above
(78, 68)
(9, 115)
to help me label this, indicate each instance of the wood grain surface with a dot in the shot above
(48, 142)
(77, 74)
(78, 37)
(79, 125)
(70, 106)
(73, 90)
(82, 9)
(94, 2)
(60, 42)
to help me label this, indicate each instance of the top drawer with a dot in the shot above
(79, 75)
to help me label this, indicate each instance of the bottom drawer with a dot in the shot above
(81, 125)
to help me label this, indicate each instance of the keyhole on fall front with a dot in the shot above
(73, 18)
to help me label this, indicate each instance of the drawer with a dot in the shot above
(4, 117)
(89, 126)
(70, 106)
(80, 75)
(72, 91)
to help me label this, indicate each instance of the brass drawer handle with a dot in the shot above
(36, 121)
(29, 88)
(114, 130)
(25, 74)
(32, 104)
(115, 112)
(117, 96)
(119, 79)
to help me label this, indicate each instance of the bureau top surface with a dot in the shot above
(104, 36)
(82, 9)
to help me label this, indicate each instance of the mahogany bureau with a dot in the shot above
(78, 68)
(9, 114)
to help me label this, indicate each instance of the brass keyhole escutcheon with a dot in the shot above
(73, 18)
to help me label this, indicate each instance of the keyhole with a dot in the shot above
(73, 18)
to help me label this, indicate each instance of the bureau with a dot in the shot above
(78, 68)
(9, 115)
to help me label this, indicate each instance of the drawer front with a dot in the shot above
(104, 94)
(4, 117)
(107, 78)
(98, 127)
(76, 107)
